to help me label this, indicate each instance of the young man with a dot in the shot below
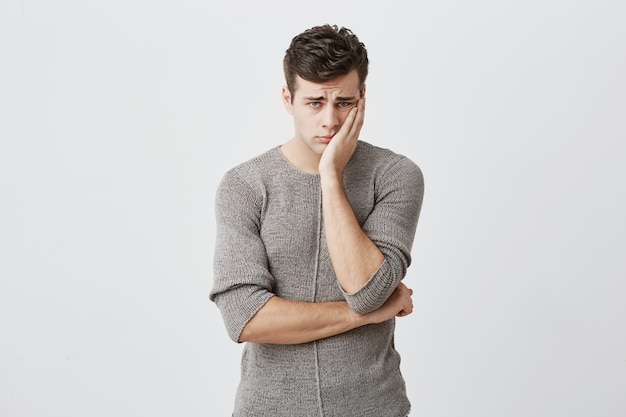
(313, 240)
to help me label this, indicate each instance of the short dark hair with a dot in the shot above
(322, 53)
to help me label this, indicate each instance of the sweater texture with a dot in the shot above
(270, 241)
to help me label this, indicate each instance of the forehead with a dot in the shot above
(344, 86)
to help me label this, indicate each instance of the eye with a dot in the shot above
(344, 104)
(314, 104)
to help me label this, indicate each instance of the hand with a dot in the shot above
(399, 304)
(343, 144)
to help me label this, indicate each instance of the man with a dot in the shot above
(313, 240)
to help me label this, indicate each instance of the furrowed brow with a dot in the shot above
(346, 98)
(320, 98)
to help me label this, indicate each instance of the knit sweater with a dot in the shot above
(271, 241)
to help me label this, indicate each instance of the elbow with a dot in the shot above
(238, 309)
(246, 335)
(376, 291)
(255, 329)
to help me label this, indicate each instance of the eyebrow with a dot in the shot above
(321, 98)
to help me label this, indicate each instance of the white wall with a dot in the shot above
(118, 118)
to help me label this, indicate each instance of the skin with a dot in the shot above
(327, 121)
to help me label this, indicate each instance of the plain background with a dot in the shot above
(118, 118)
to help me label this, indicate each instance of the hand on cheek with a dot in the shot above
(343, 144)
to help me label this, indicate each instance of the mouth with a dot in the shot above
(326, 139)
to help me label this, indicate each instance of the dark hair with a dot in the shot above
(323, 53)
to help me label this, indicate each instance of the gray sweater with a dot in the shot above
(270, 241)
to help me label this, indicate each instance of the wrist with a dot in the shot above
(331, 179)
(355, 319)
(330, 172)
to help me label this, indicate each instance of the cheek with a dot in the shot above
(308, 118)
(304, 122)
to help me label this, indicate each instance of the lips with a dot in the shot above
(325, 139)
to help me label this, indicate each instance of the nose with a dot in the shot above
(330, 117)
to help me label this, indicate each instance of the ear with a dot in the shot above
(363, 91)
(287, 99)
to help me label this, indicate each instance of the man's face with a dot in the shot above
(319, 109)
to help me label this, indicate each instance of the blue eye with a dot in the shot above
(344, 104)
(314, 104)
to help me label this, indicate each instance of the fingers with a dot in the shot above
(359, 117)
(344, 143)
(353, 123)
(403, 287)
(405, 299)
(399, 304)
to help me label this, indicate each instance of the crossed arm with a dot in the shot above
(285, 321)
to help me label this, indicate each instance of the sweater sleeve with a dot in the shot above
(242, 281)
(391, 226)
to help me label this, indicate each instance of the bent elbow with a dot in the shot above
(246, 335)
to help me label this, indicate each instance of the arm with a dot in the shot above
(284, 321)
(354, 256)
(370, 259)
(243, 285)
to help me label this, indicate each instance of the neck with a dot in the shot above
(301, 156)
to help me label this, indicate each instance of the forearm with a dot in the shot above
(355, 258)
(283, 321)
